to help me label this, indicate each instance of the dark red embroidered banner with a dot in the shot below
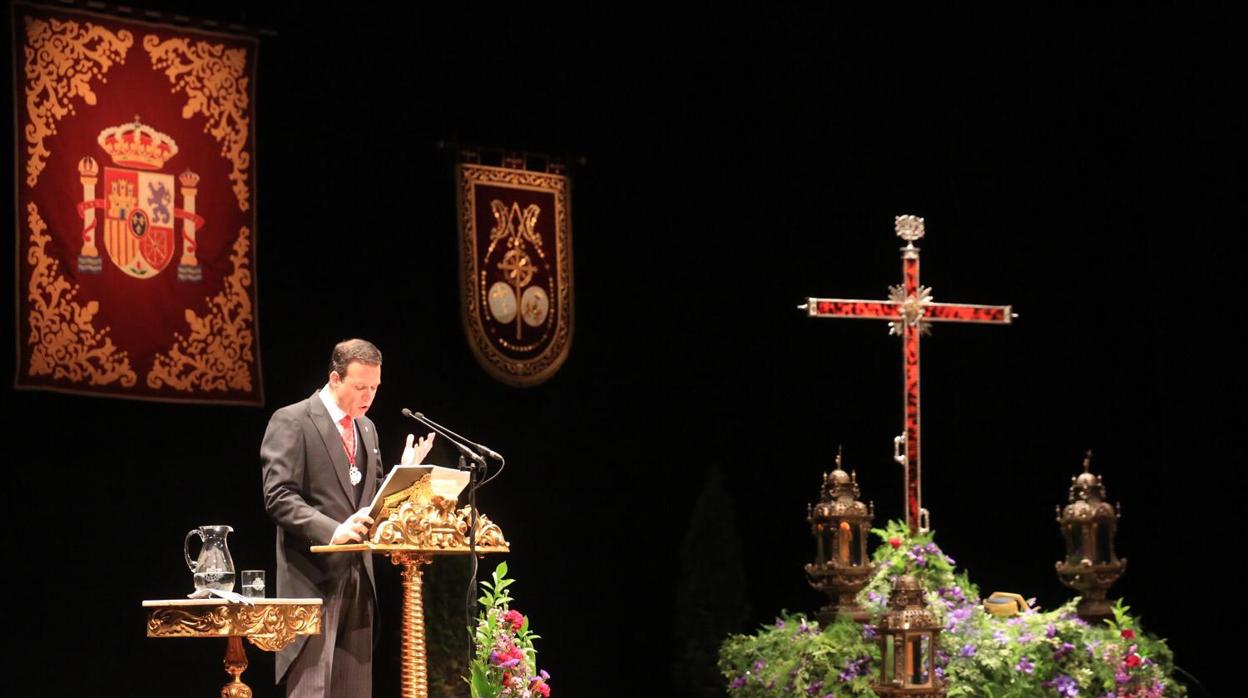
(135, 208)
(516, 264)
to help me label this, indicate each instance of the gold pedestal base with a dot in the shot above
(414, 669)
(235, 665)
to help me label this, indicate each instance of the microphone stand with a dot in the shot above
(478, 464)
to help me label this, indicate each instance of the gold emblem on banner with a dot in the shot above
(516, 270)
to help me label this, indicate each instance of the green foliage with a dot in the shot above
(505, 662)
(795, 657)
(1050, 653)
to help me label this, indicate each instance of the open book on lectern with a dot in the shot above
(443, 482)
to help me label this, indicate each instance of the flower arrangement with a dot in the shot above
(505, 662)
(1036, 653)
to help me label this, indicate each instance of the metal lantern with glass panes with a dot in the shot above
(841, 525)
(909, 635)
(1090, 524)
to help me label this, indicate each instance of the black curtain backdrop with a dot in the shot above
(1086, 168)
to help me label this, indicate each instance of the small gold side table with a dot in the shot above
(269, 624)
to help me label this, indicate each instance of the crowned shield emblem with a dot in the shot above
(138, 220)
(516, 249)
(138, 205)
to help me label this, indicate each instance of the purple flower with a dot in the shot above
(1050, 630)
(758, 666)
(1024, 665)
(954, 592)
(738, 682)
(868, 632)
(854, 669)
(968, 650)
(806, 628)
(1025, 639)
(814, 688)
(951, 561)
(1061, 652)
(1064, 685)
(874, 597)
(779, 624)
(1001, 637)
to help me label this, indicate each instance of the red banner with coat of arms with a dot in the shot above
(135, 208)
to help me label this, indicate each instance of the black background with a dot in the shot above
(1084, 167)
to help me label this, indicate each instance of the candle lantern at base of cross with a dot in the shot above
(909, 635)
(1089, 526)
(841, 525)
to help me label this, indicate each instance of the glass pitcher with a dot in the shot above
(214, 568)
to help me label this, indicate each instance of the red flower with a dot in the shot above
(895, 542)
(543, 689)
(1128, 634)
(514, 618)
(1132, 661)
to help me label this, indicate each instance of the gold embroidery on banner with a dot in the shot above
(66, 343)
(537, 369)
(62, 58)
(213, 79)
(218, 353)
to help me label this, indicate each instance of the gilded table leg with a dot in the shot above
(414, 679)
(235, 665)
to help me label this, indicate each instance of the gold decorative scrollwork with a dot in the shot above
(218, 353)
(420, 491)
(270, 627)
(273, 627)
(62, 59)
(436, 525)
(216, 85)
(179, 622)
(66, 344)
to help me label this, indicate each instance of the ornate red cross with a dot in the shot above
(910, 309)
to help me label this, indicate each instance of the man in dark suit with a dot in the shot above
(321, 467)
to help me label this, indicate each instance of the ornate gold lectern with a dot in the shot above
(414, 526)
(269, 624)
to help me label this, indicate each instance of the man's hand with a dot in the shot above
(353, 529)
(415, 451)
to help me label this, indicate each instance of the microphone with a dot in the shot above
(452, 436)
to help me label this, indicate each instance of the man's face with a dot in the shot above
(355, 391)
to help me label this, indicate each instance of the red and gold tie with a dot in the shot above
(348, 437)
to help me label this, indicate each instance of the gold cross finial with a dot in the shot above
(1087, 461)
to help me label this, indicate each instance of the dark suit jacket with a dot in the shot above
(307, 492)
